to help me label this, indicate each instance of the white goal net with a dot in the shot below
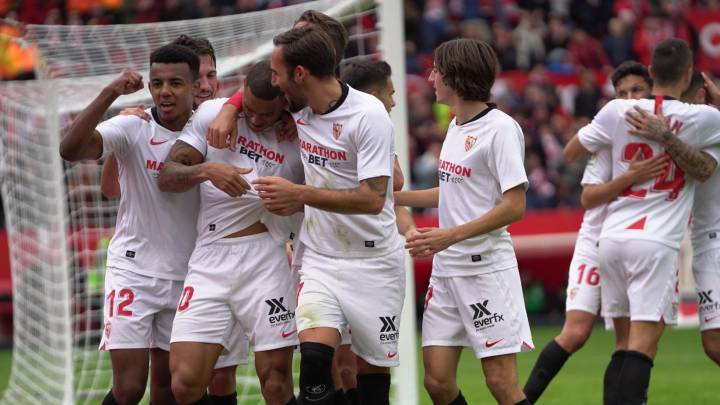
(59, 223)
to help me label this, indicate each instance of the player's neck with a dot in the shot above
(466, 110)
(667, 91)
(177, 124)
(322, 94)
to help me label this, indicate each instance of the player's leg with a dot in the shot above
(264, 304)
(371, 292)
(191, 365)
(223, 385)
(492, 310)
(441, 374)
(581, 306)
(346, 364)
(202, 325)
(160, 388)
(706, 269)
(130, 306)
(274, 370)
(652, 281)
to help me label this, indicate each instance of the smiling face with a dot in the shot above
(285, 79)
(171, 86)
(208, 81)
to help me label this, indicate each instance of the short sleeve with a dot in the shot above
(599, 168)
(375, 145)
(507, 158)
(119, 133)
(599, 132)
(710, 140)
(236, 100)
(195, 131)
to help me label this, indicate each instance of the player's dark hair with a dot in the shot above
(334, 28)
(259, 81)
(468, 66)
(670, 60)
(177, 54)
(201, 46)
(629, 68)
(363, 74)
(308, 46)
(696, 82)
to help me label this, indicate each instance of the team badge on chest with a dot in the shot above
(337, 128)
(470, 142)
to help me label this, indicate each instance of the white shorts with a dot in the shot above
(138, 310)
(485, 312)
(583, 290)
(639, 280)
(364, 294)
(239, 350)
(706, 269)
(246, 280)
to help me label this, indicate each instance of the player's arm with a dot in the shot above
(693, 161)
(82, 141)
(640, 171)
(574, 150)
(404, 220)
(398, 176)
(222, 131)
(428, 198)
(109, 184)
(184, 168)
(429, 241)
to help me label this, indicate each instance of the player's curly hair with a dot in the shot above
(201, 46)
(177, 54)
(468, 66)
(628, 68)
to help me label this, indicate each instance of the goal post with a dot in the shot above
(58, 221)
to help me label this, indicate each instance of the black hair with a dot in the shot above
(363, 74)
(259, 81)
(177, 54)
(628, 68)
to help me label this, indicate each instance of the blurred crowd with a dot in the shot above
(555, 59)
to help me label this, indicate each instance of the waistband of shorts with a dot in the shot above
(241, 239)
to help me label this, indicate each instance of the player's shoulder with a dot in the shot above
(365, 104)
(491, 120)
(210, 107)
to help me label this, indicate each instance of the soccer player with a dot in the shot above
(475, 298)
(237, 271)
(705, 222)
(155, 232)
(643, 228)
(631, 80)
(352, 271)
(222, 387)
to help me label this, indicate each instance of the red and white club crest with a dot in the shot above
(337, 128)
(470, 142)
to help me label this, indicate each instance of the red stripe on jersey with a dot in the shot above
(640, 224)
(658, 103)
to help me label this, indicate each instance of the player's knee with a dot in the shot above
(348, 375)
(712, 349)
(274, 387)
(186, 389)
(575, 339)
(499, 384)
(438, 386)
(222, 381)
(128, 392)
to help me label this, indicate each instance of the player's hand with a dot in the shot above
(222, 132)
(411, 233)
(138, 111)
(642, 170)
(711, 90)
(429, 241)
(653, 128)
(279, 196)
(128, 82)
(286, 129)
(228, 178)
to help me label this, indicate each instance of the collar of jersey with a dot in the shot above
(653, 97)
(490, 106)
(343, 96)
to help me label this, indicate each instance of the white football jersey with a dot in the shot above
(479, 161)
(222, 215)
(706, 215)
(659, 209)
(350, 143)
(155, 231)
(597, 171)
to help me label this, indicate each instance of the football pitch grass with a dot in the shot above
(682, 373)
